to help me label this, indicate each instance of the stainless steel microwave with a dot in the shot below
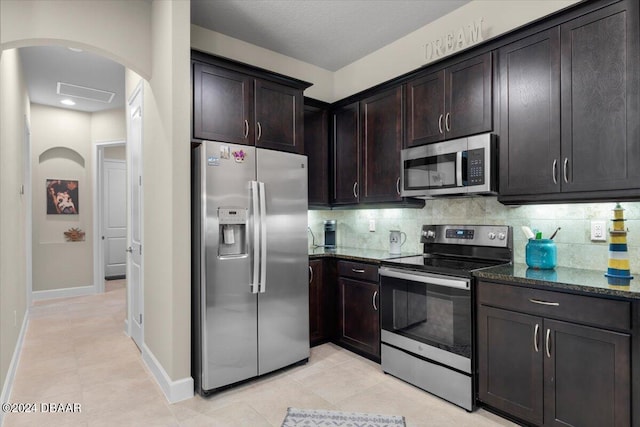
(462, 166)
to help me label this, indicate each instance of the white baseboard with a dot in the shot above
(64, 293)
(13, 366)
(174, 391)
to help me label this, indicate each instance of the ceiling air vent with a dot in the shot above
(67, 89)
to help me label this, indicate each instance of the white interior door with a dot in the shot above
(115, 218)
(135, 273)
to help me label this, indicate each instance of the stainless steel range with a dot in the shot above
(427, 310)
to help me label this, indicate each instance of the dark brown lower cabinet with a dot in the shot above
(510, 370)
(359, 320)
(316, 302)
(551, 372)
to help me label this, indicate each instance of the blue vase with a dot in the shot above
(541, 254)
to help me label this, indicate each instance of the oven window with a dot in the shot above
(432, 314)
(430, 172)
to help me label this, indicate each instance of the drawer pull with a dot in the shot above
(357, 271)
(536, 301)
(547, 345)
(536, 332)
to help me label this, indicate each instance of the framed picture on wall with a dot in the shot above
(62, 197)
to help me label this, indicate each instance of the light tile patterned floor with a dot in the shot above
(75, 351)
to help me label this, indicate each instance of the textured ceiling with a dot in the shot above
(326, 33)
(45, 66)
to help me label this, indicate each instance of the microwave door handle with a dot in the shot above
(459, 169)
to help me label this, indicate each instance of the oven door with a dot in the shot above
(427, 314)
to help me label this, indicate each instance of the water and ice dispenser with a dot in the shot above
(232, 232)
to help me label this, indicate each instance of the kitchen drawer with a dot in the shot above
(601, 312)
(358, 270)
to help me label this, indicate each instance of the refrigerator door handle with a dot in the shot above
(263, 239)
(255, 284)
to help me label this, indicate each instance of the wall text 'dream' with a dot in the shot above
(454, 40)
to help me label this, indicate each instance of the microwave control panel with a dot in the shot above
(475, 166)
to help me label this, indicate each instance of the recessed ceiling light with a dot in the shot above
(75, 49)
(67, 102)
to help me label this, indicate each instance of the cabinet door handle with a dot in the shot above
(357, 271)
(447, 122)
(536, 333)
(246, 128)
(259, 131)
(547, 344)
(440, 123)
(355, 189)
(537, 301)
(565, 166)
(311, 275)
(398, 186)
(555, 171)
(375, 307)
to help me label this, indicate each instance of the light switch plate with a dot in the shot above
(372, 225)
(598, 231)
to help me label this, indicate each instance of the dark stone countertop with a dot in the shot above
(373, 256)
(574, 280)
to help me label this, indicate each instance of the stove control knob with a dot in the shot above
(492, 235)
(501, 236)
(429, 234)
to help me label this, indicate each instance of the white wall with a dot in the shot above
(108, 125)
(166, 181)
(119, 30)
(14, 107)
(58, 133)
(61, 149)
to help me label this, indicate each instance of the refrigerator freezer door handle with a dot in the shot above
(263, 239)
(255, 287)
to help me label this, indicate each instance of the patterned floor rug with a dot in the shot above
(323, 418)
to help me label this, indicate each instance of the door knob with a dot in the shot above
(129, 249)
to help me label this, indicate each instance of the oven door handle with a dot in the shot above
(425, 278)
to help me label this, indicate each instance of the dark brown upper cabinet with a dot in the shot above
(242, 105)
(222, 105)
(346, 154)
(569, 127)
(450, 103)
(316, 147)
(529, 79)
(279, 117)
(381, 118)
(600, 113)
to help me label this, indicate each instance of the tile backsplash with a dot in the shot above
(575, 249)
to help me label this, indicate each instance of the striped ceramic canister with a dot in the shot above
(618, 266)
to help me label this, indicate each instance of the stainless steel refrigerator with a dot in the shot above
(250, 284)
